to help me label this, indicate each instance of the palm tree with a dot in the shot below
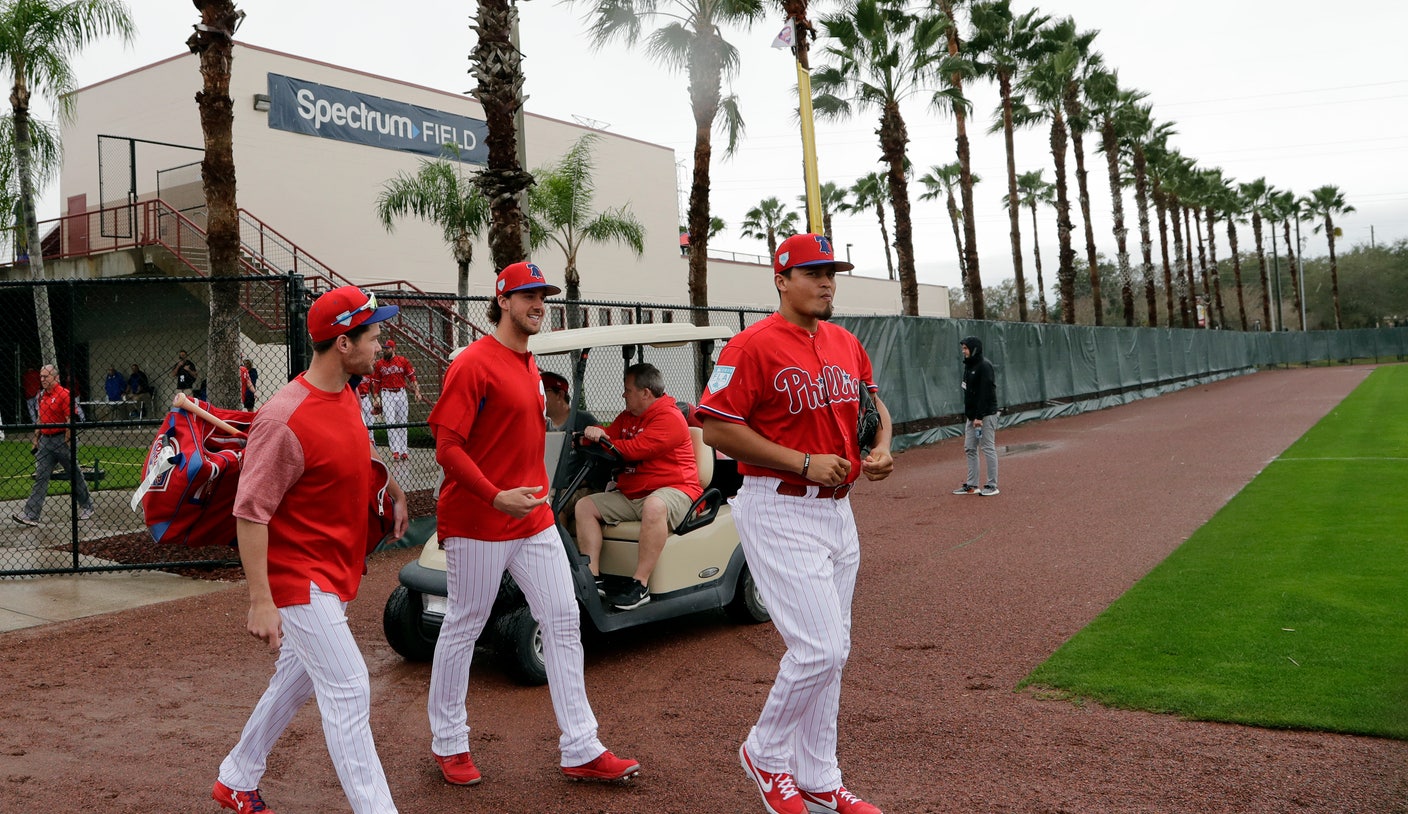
(1230, 201)
(881, 55)
(214, 42)
(767, 220)
(37, 40)
(1326, 202)
(833, 199)
(690, 39)
(1116, 111)
(1034, 190)
(560, 213)
(45, 157)
(955, 69)
(1078, 120)
(1046, 82)
(1144, 138)
(1002, 45)
(1286, 208)
(439, 192)
(497, 66)
(941, 180)
(1254, 196)
(871, 191)
(1176, 179)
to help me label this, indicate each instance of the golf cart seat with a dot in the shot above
(700, 514)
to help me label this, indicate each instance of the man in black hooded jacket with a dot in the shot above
(980, 414)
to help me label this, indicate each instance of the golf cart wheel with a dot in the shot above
(401, 622)
(747, 606)
(520, 648)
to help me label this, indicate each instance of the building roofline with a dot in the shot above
(345, 69)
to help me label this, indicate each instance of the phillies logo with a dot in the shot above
(832, 384)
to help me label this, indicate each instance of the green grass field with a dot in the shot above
(122, 468)
(1289, 609)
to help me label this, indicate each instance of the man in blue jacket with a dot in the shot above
(980, 418)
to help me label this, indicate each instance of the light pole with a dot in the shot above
(848, 252)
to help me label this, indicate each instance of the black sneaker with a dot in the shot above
(601, 586)
(634, 597)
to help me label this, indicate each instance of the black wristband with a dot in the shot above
(806, 462)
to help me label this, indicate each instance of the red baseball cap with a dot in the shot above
(552, 381)
(390, 343)
(523, 277)
(342, 309)
(806, 249)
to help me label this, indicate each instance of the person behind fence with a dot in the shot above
(139, 390)
(303, 527)
(248, 377)
(980, 418)
(185, 372)
(657, 484)
(493, 516)
(50, 446)
(393, 374)
(114, 384)
(363, 385)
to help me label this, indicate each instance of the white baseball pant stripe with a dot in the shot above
(367, 418)
(804, 554)
(318, 658)
(395, 407)
(539, 565)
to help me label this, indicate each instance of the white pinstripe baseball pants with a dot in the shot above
(539, 565)
(395, 408)
(804, 554)
(367, 418)
(318, 658)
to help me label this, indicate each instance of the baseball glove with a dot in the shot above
(867, 422)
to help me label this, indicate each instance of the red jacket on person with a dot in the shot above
(657, 449)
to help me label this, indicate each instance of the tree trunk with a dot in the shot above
(893, 138)
(1066, 270)
(1036, 260)
(1188, 268)
(1014, 205)
(462, 333)
(1161, 208)
(1072, 107)
(497, 67)
(1112, 162)
(1212, 269)
(1179, 262)
(1236, 269)
(885, 238)
(574, 292)
(1203, 264)
(31, 242)
(1265, 278)
(1295, 278)
(965, 181)
(1334, 270)
(215, 45)
(954, 216)
(705, 81)
(1146, 245)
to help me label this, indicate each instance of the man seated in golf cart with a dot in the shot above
(656, 485)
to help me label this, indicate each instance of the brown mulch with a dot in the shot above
(958, 599)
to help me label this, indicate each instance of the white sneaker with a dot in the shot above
(84, 514)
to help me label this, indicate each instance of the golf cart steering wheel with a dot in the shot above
(603, 448)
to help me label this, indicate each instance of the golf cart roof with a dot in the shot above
(655, 334)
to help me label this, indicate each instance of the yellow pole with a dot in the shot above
(809, 170)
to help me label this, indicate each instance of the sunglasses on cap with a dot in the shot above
(346, 317)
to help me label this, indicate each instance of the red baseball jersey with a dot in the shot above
(797, 389)
(490, 429)
(364, 387)
(657, 450)
(393, 373)
(54, 408)
(306, 476)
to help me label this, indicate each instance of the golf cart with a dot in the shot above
(702, 567)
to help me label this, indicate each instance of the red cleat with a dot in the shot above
(240, 801)
(606, 767)
(779, 791)
(836, 801)
(458, 769)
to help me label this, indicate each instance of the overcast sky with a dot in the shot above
(1301, 93)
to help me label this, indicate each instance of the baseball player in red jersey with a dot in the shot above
(392, 373)
(364, 397)
(493, 516)
(783, 400)
(302, 519)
